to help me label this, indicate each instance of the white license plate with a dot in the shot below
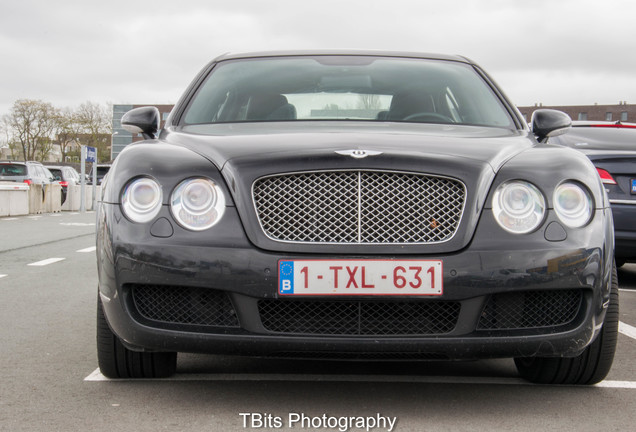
(360, 277)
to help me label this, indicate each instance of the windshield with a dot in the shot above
(346, 88)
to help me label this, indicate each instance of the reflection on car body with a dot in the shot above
(358, 206)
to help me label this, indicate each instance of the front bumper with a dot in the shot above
(496, 265)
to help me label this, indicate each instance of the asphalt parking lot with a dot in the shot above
(51, 383)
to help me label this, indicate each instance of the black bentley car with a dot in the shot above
(611, 146)
(358, 206)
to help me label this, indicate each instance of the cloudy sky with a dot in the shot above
(135, 51)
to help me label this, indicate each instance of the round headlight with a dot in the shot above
(518, 206)
(141, 199)
(197, 204)
(572, 204)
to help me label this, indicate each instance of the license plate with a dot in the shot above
(360, 277)
(634, 186)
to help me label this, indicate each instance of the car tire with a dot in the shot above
(591, 366)
(117, 361)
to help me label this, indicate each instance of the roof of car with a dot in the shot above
(404, 54)
(21, 162)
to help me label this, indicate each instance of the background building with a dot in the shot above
(622, 112)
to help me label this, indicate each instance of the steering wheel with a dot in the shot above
(430, 116)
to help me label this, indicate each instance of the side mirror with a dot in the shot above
(548, 123)
(144, 120)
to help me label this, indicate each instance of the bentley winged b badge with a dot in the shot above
(358, 154)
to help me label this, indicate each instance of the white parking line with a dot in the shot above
(97, 376)
(627, 330)
(617, 384)
(88, 249)
(8, 219)
(46, 262)
(1, 276)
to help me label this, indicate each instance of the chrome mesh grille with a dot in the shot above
(359, 207)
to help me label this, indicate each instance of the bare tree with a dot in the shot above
(31, 124)
(4, 129)
(95, 121)
(43, 147)
(68, 130)
(14, 146)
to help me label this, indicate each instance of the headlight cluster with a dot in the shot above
(141, 199)
(519, 207)
(196, 204)
(572, 204)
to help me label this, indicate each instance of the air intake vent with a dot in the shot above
(368, 318)
(184, 305)
(531, 309)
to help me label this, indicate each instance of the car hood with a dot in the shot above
(266, 142)
(245, 153)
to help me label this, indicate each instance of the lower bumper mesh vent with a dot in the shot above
(368, 318)
(531, 309)
(184, 305)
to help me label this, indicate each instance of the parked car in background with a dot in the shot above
(360, 206)
(27, 172)
(65, 175)
(102, 170)
(611, 146)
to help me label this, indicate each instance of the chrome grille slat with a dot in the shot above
(359, 207)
